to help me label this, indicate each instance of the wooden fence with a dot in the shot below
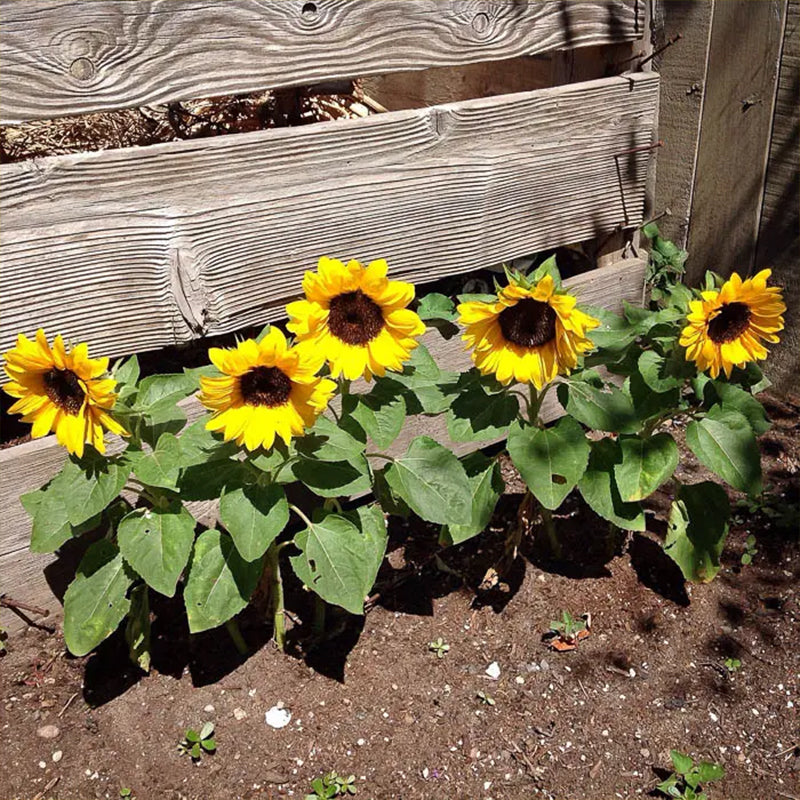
(136, 249)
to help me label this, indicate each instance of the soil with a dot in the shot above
(374, 701)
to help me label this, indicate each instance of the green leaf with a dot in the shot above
(487, 485)
(254, 516)
(206, 730)
(680, 761)
(614, 333)
(424, 383)
(340, 555)
(137, 631)
(390, 502)
(432, 481)
(547, 267)
(551, 460)
(157, 542)
(436, 306)
(219, 581)
(192, 736)
(163, 466)
(96, 600)
(609, 410)
(158, 387)
(734, 398)
(195, 751)
(656, 372)
(51, 526)
(476, 415)
(208, 480)
(199, 445)
(333, 479)
(724, 442)
(599, 488)
(327, 441)
(698, 525)
(646, 464)
(707, 771)
(646, 402)
(381, 413)
(127, 373)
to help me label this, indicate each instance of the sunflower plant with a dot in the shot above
(286, 448)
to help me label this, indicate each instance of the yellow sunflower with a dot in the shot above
(727, 326)
(269, 389)
(356, 318)
(529, 334)
(62, 391)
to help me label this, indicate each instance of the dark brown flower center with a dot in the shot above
(63, 388)
(730, 323)
(265, 386)
(530, 323)
(355, 318)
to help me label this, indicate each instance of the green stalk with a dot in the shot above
(232, 626)
(550, 531)
(276, 600)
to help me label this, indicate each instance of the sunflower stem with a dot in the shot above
(232, 626)
(301, 515)
(277, 471)
(550, 531)
(276, 595)
(331, 503)
(380, 455)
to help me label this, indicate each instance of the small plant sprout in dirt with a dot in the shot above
(564, 634)
(332, 785)
(750, 550)
(688, 778)
(439, 646)
(485, 699)
(196, 744)
(732, 665)
(127, 794)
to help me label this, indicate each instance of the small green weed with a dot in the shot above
(332, 785)
(685, 782)
(485, 699)
(750, 550)
(196, 744)
(127, 794)
(732, 665)
(440, 647)
(568, 627)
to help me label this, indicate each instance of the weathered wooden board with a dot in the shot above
(736, 123)
(779, 235)
(71, 56)
(28, 466)
(136, 249)
(683, 84)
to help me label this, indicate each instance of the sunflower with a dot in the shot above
(727, 325)
(268, 389)
(356, 318)
(61, 391)
(530, 334)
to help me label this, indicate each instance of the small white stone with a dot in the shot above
(519, 679)
(493, 670)
(208, 709)
(361, 742)
(714, 717)
(57, 756)
(42, 764)
(425, 773)
(252, 693)
(277, 717)
(239, 713)
(789, 704)
(487, 785)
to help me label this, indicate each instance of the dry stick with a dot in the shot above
(18, 605)
(677, 37)
(67, 704)
(39, 795)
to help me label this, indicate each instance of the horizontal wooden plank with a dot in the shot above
(63, 57)
(26, 467)
(136, 249)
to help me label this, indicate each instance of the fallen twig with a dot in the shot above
(67, 704)
(53, 781)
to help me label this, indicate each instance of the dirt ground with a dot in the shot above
(377, 703)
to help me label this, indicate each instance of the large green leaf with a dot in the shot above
(340, 555)
(436, 306)
(487, 486)
(724, 442)
(614, 333)
(51, 526)
(646, 463)
(734, 398)
(327, 441)
(381, 412)
(137, 631)
(96, 600)
(163, 466)
(599, 488)
(646, 402)
(157, 542)
(432, 481)
(208, 480)
(199, 445)
(219, 581)
(477, 415)
(658, 373)
(156, 388)
(602, 410)
(333, 479)
(254, 516)
(425, 384)
(698, 525)
(551, 460)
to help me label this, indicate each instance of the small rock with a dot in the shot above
(239, 713)
(57, 756)
(425, 773)
(361, 742)
(493, 670)
(277, 717)
(42, 765)
(48, 731)
(209, 708)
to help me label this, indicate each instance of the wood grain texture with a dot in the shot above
(32, 577)
(683, 83)
(72, 56)
(779, 235)
(735, 134)
(168, 243)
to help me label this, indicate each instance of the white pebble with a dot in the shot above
(425, 773)
(277, 717)
(209, 708)
(493, 670)
(239, 713)
(42, 764)
(57, 756)
(361, 742)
